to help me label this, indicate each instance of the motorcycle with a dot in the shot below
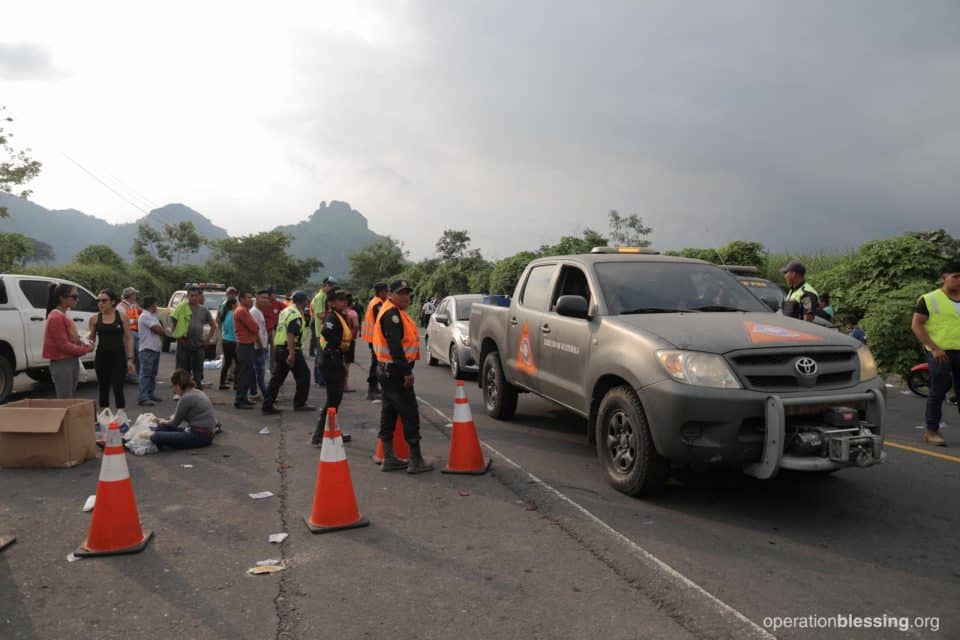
(919, 381)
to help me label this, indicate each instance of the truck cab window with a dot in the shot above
(536, 291)
(36, 292)
(572, 282)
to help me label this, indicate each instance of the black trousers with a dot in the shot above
(398, 402)
(335, 373)
(229, 356)
(111, 368)
(246, 380)
(301, 373)
(372, 376)
(191, 359)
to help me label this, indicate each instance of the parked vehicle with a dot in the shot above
(213, 297)
(768, 292)
(448, 335)
(23, 307)
(670, 360)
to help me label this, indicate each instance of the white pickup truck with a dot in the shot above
(23, 304)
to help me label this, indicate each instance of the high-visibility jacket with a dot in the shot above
(370, 319)
(133, 315)
(793, 303)
(410, 340)
(287, 316)
(943, 323)
(345, 341)
(182, 314)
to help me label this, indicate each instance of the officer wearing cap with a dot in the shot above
(802, 300)
(381, 292)
(335, 340)
(396, 343)
(288, 356)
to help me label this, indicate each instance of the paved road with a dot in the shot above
(865, 542)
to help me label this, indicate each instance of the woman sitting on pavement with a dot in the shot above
(194, 409)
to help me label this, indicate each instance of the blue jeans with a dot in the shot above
(259, 360)
(177, 438)
(942, 377)
(149, 367)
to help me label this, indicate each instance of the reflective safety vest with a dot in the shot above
(369, 319)
(347, 339)
(133, 315)
(792, 304)
(410, 341)
(287, 316)
(943, 324)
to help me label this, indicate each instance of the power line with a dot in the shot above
(112, 190)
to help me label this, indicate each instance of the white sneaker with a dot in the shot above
(176, 397)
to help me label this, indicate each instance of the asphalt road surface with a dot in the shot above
(540, 548)
(864, 542)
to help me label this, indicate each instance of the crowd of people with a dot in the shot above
(258, 330)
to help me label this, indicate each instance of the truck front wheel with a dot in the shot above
(625, 447)
(499, 396)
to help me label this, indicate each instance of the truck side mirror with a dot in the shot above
(442, 318)
(771, 302)
(573, 307)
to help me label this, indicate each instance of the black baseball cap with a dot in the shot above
(381, 286)
(796, 267)
(299, 296)
(337, 294)
(400, 285)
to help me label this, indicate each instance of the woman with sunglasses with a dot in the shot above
(62, 345)
(114, 358)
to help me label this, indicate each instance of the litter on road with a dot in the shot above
(89, 504)
(269, 562)
(187, 466)
(260, 495)
(277, 538)
(259, 571)
(264, 432)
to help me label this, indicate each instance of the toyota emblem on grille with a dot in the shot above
(806, 366)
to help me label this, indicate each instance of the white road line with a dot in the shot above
(722, 607)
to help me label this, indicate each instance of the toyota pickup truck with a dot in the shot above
(23, 314)
(673, 362)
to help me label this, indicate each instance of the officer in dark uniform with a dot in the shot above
(396, 343)
(381, 292)
(288, 356)
(802, 301)
(334, 341)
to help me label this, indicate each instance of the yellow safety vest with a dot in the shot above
(943, 324)
(347, 335)
(287, 316)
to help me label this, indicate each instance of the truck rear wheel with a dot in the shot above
(6, 379)
(499, 396)
(625, 447)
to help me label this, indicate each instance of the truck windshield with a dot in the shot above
(670, 287)
(213, 299)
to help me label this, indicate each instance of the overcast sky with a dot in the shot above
(800, 124)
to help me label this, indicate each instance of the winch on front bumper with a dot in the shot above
(823, 447)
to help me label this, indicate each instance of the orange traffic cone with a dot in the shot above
(465, 454)
(115, 528)
(400, 447)
(334, 503)
(6, 541)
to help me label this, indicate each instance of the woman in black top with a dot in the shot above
(114, 359)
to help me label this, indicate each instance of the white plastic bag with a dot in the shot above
(140, 446)
(213, 364)
(143, 423)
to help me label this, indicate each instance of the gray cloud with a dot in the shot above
(24, 60)
(803, 125)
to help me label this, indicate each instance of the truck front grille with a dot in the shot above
(776, 369)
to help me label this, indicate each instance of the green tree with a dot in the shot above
(40, 252)
(150, 242)
(172, 245)
(376, 262)
(744, 253)
(453, 244)
(100, 254)
(14, 250)
(259, 260)
(506, 273)
(628, 231)
(16, 167)
(572, 245)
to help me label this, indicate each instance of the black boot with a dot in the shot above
(390, 460)
(417, 464)
(373, 392)
(317, 439)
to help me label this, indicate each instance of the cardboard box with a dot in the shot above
(47, 433)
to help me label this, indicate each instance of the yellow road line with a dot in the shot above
(934, 454)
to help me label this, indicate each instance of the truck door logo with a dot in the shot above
(525, 361)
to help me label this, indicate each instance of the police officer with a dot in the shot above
(334, 341)
(381, 291)
(288, 342)
(936, 323)
(396, 343)
(802, 300)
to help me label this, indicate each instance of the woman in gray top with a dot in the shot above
(193, 424)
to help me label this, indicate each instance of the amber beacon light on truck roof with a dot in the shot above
(643, 250)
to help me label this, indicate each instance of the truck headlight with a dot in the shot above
(868, 366)
(701, 369)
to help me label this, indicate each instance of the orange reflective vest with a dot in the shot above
(369, 319)
(133, 316)
(410, 341)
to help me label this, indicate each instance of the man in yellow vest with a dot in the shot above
(802, 300)
(288, 343)
(936, 323)
(396, 343)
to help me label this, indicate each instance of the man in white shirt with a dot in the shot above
(151, 341)
(263, 342)
(426, 311)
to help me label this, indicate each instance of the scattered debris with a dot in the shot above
(89, 504)
(463, 493)
(261, 495)
(891, 386)
(72, 558)
(259, 571)
(531, 507)
(277, 538)
(264, 432)
(187, 466)
(906, 393)
(269, 562)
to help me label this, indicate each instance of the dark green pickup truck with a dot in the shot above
(673, 361)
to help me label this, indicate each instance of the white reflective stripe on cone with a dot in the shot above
(114, 468)
(332, 450)
(461, 412)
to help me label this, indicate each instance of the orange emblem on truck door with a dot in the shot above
(525, 353)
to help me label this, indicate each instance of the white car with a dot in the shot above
(23, 314)
(448, 335)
